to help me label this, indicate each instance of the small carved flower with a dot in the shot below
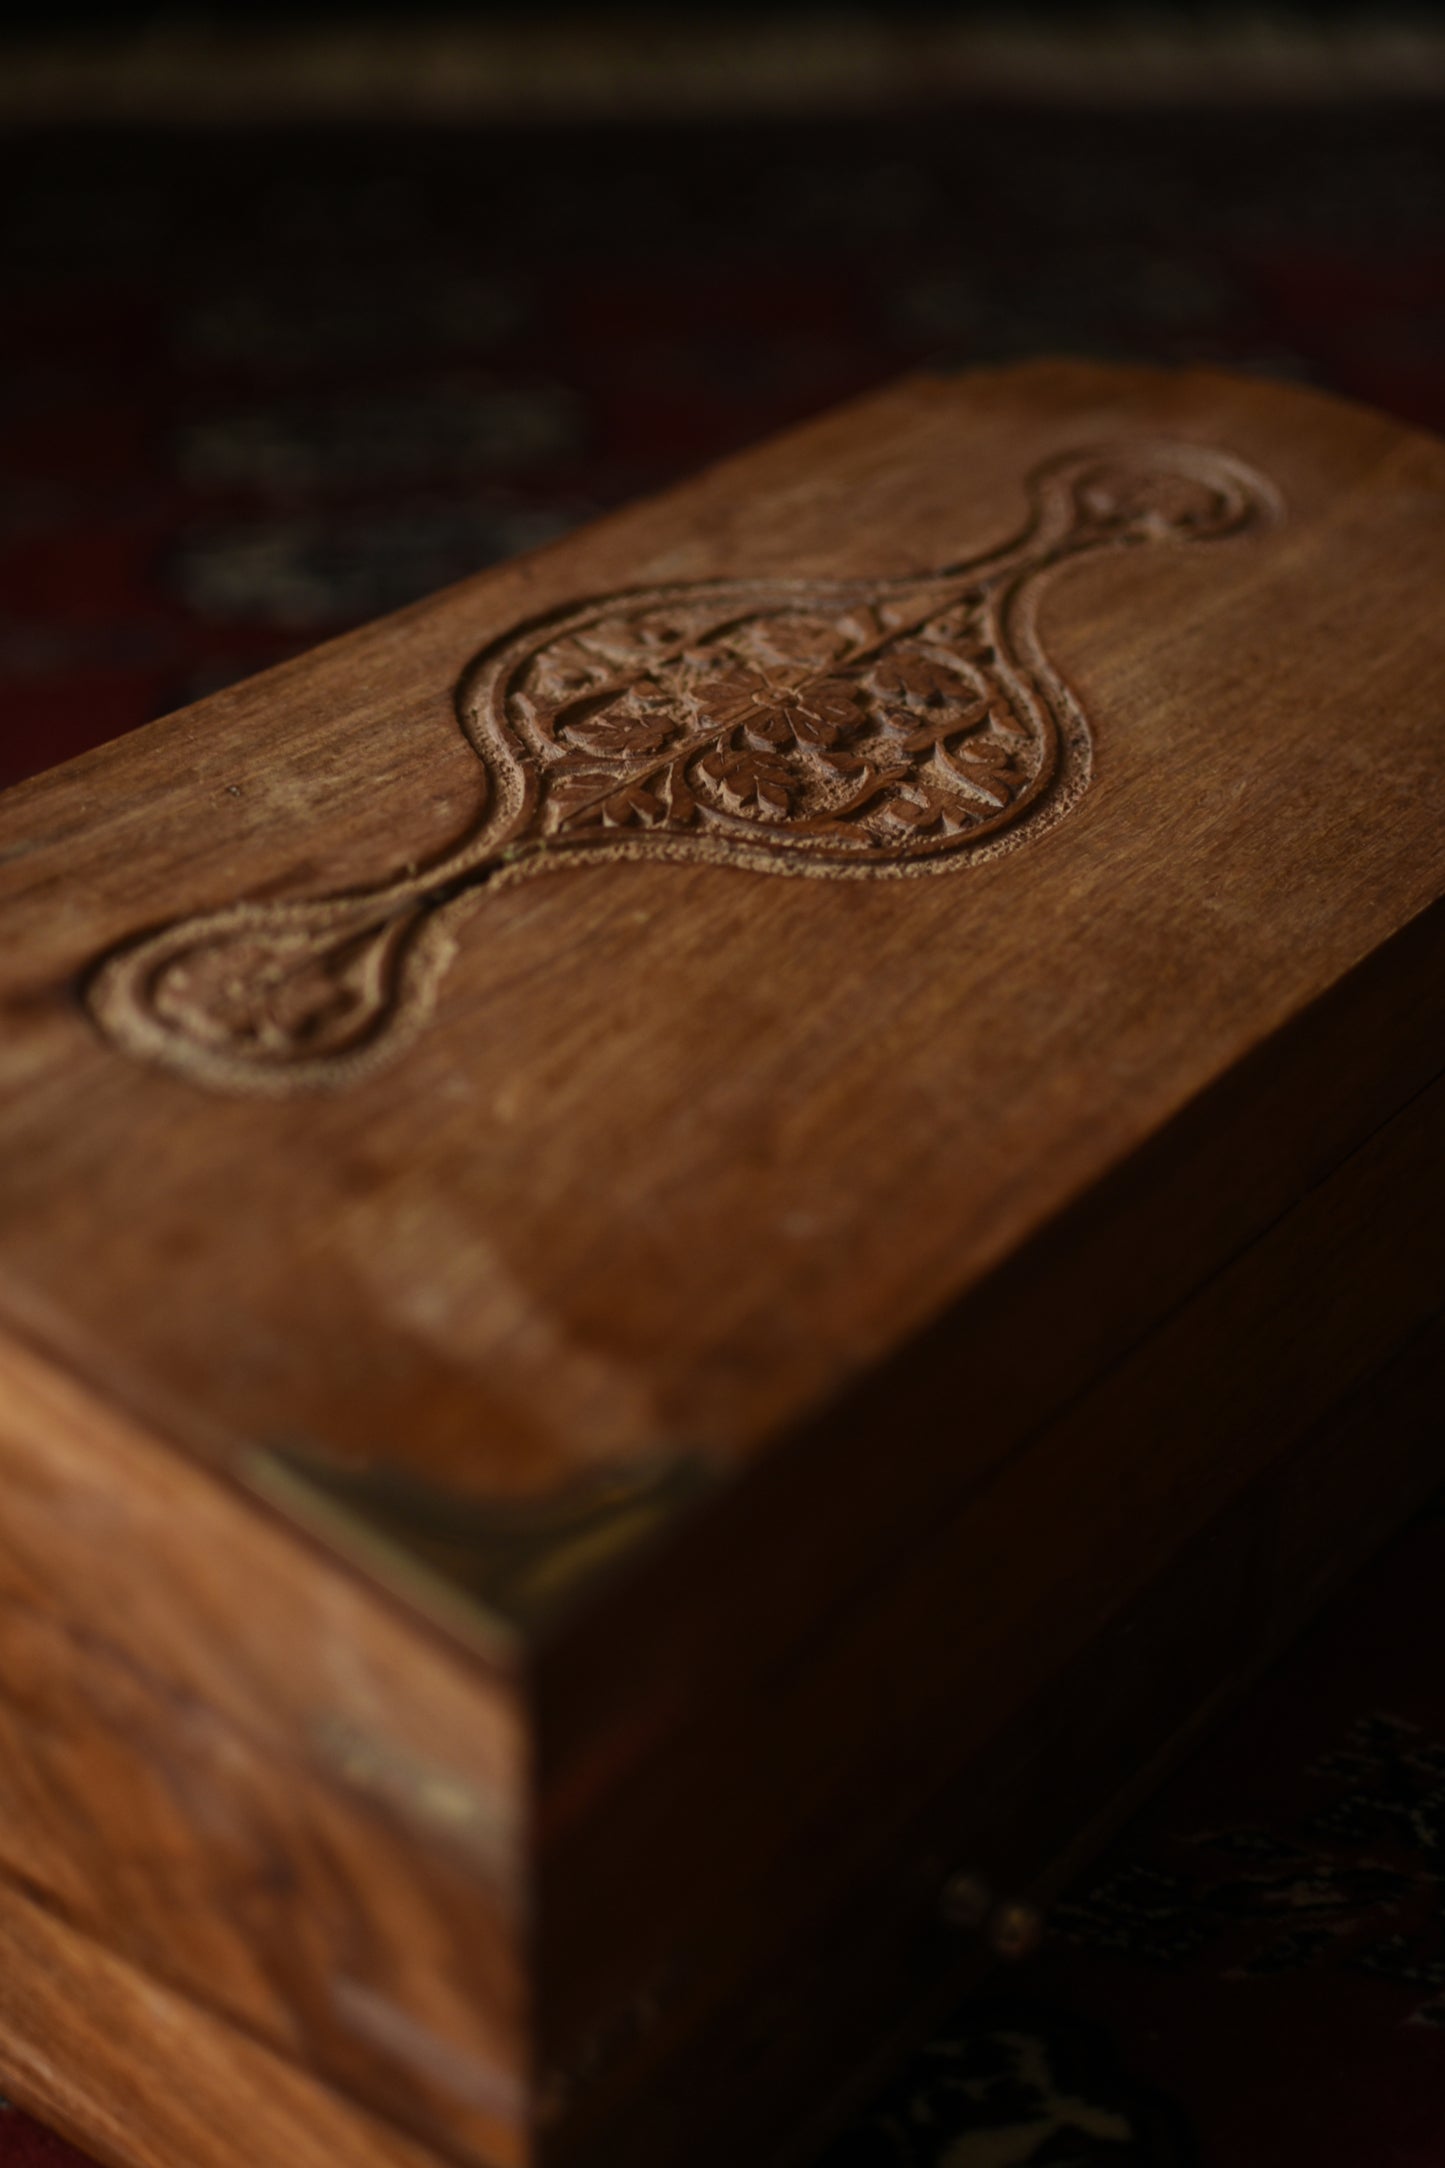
(780, 715)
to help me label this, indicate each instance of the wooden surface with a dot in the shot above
(644, 1208)
(612, 1203)
(142, 2079)
(257, 1788)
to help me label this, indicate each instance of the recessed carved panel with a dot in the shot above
(864, 728)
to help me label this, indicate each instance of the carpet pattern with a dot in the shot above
(259, 387)
(1254, 1975)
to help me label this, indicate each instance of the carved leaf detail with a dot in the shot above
(623, 733)
(681, 804)
(573, 793)
(919, 679)
(633, 805)
(924, 805)
(912, 734)
(750, 782)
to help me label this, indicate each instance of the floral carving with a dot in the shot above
(769, 712)
(867, 727)
(850, 728)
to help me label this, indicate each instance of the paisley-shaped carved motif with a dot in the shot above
(871, 727)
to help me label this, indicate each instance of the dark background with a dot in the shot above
(267, 374)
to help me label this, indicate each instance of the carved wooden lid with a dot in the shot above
(419, 1091)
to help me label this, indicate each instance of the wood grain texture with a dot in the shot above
(226, 1763)
(142, 2079)
(573, 1445)
(527, 1285)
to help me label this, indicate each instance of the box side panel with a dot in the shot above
(854, 1496)
(704, 1861)
(786, 2057)
(236, 1770)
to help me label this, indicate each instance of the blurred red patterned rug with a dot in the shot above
(1254, 1975)
(258, 388)
(24, 2144)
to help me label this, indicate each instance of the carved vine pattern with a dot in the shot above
(865, 728)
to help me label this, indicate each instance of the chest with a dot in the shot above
(696, 1244)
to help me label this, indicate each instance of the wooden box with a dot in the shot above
(608, 1459)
